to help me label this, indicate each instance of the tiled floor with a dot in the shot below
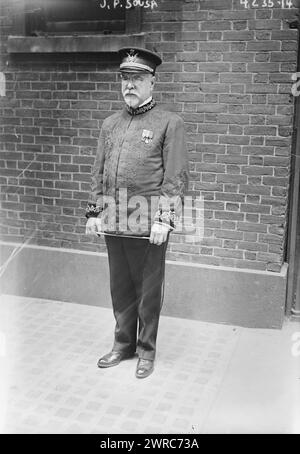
(49, 381)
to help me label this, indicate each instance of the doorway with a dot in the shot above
(293, 290)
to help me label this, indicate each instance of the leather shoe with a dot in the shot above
(113, 359)
(144, 368)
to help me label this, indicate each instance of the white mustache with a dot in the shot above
(129, 93)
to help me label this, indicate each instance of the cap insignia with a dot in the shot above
(132, 56)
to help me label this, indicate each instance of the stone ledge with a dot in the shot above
(68, 43)
(229, 296)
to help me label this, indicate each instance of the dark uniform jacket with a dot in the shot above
(141, 152)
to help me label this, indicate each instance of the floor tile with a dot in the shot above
(208, 378)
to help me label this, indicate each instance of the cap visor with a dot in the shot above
(133, 70)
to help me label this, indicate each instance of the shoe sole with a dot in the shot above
(144, 375)
(106, 366)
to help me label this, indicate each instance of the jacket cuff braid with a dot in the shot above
(92, 210)
(167, 218)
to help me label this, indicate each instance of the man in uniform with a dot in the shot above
(142, 158)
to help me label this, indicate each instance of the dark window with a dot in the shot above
(77, 16)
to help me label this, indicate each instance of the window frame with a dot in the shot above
(21, 42)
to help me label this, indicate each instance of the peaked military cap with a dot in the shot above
(136, 59)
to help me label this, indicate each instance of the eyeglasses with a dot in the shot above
(134, 78)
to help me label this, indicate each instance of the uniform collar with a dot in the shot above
(146, 101)
(141, 109)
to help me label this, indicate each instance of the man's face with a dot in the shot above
(137, 87)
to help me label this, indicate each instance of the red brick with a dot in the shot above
(228, 253)
(257, 170)
(215, 25)
(229, 234)
(216, 5)
(238, 140)
(238, 35)
(283, 56)
(267, 257)
(275, 181)
(229, 215)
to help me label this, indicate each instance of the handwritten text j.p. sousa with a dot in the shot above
(127, 4)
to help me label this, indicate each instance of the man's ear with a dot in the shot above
(153, 80)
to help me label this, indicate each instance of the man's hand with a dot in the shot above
(159, 234)
(93, 226)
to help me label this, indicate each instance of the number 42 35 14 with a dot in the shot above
(285, 4)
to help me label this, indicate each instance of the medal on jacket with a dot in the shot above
(147, 136)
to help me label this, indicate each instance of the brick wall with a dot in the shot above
(227, 71)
